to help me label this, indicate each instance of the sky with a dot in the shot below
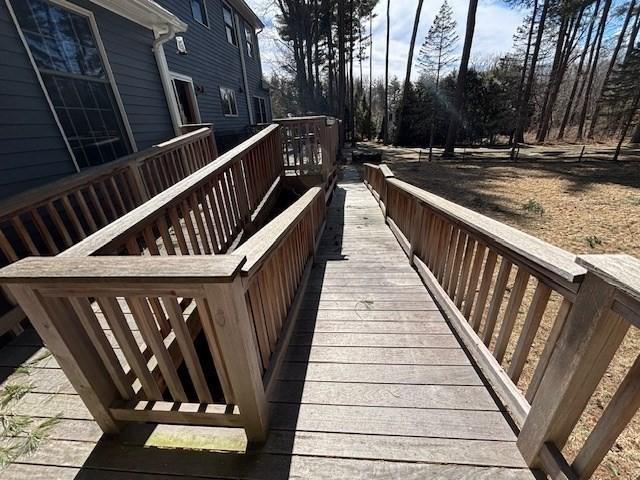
(495, 25)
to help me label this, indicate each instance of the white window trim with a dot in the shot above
(235, 25)
(206, 15)
(189, 80)
(253, 41)
(264, 101)
(235, 99)
(105, 60)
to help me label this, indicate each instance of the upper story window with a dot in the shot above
(248, 35)
(229, 25)
(199, 12)
(229, 105)
(67, 55)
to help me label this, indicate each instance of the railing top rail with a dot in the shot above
(118, 270)
(538, 253)
(620, 270)
(40, 195)
(258, 247)
(128, 223)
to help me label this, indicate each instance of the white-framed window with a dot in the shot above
(229, 25)
(260, 108)
(229, 105)
(199, 12)
(64, 43)
(186, 99)
(250, 38)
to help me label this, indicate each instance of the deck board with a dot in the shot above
(374, 385)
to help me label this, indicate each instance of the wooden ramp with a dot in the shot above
(374, 385)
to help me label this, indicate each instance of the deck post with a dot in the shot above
(238, 346)
(140, 186)
(416, 227)
(54, 320)
(588, 341)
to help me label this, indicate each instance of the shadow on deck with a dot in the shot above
(374, 385)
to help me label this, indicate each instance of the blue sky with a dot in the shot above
(495, 25)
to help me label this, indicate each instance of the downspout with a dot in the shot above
(241, 46)
(163, 68)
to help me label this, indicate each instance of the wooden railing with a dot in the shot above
(49, 219)
(205, 213)
(310, 144)
(239, 304)
(472, 264)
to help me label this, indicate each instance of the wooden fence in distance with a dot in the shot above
(467, 261)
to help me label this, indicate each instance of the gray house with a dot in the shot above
(83, 82)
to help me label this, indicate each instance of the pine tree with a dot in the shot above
(436, 54)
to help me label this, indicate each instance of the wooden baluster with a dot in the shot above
(106, 198)
(529, 330)
(260, 323)
(177, 230)
(497, 298)
(86, 213)
(24, 235)
(550, 344)
(202, 233)
(461, 287)
(119, 200)
(585, 347)
(71, 214)
(186, 216)
(62, 229)
(44, 232)
(94, 331)
(206, 212)
(618, 414)
(118, 324)
(509, 319)
(147, 325)
(167, 241)
(216, 214)
(457, 262)
(483, 293)
(138, 185)
(97, 206)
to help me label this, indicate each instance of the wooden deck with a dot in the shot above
(375, 385)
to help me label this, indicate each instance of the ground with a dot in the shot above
(592, 206)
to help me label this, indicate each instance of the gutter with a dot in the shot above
(163, 68)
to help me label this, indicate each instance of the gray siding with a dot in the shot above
(129, 50)
(254, 75)
(32, 151)
(213, 62)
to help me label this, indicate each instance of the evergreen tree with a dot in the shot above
(438, 53)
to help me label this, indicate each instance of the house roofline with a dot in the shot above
(247, 13)
(144, 12)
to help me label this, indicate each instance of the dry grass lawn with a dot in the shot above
(588, 207)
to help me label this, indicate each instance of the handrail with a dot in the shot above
(590, 303)
(256, 177)
(51, 218)
(258, 248)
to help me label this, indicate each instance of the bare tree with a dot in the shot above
(385, 119)
(437, 53)
(458, 100)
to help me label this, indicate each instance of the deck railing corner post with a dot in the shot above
(238, 345)
(586, 345)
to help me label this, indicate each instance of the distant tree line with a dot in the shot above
(573, 74)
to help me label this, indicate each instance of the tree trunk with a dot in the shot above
(369, 122)
(407, 76)
(454, 121)
(351, 98)
(525, 64)
(625, 129)
(523, 108)
(612, 63)
(583, 56)
(547, 105)
(633, 36)
(385, 120)
(594, 67)
(341, 65)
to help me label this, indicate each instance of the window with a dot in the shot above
(229, 106)
(260, 107)
(248, 34)
(186, 99)
(199, 12)
(69, 61)
(229, 25)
